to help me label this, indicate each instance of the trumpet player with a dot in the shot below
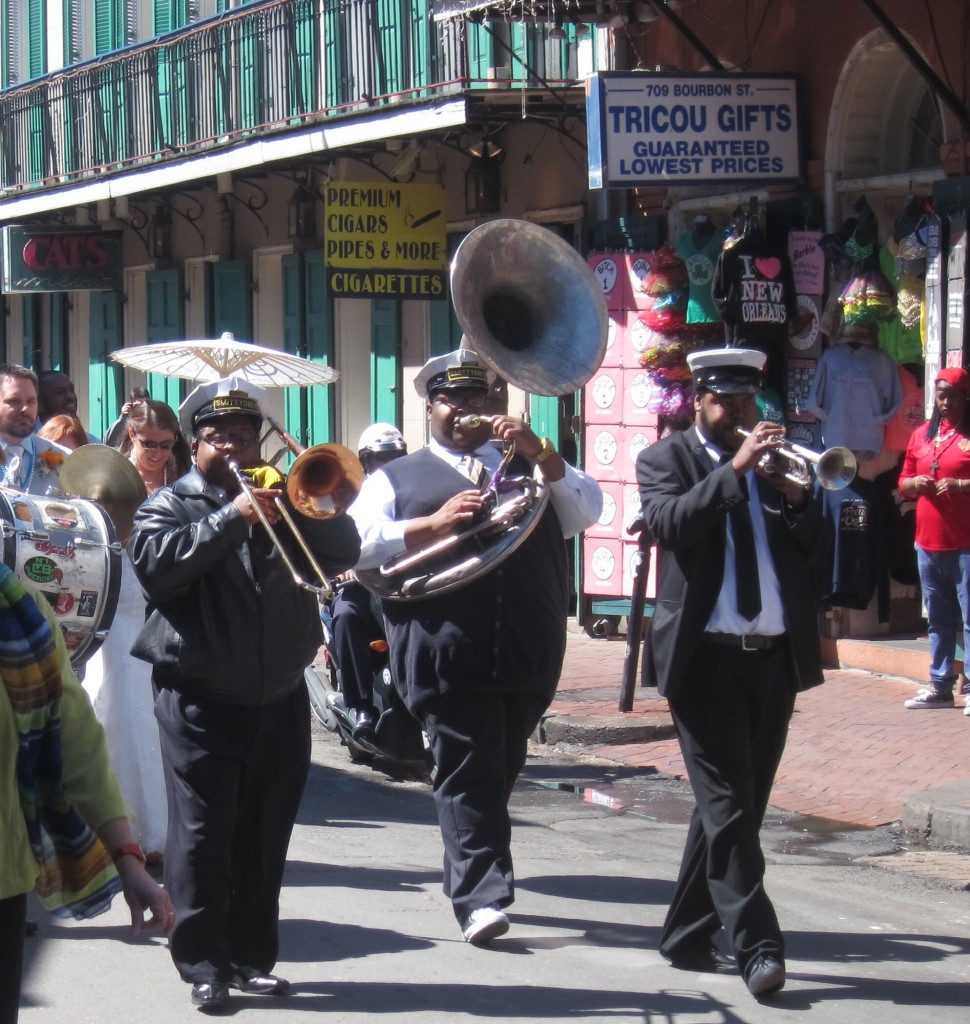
(228, 633)
(478, 666)
(734, 637)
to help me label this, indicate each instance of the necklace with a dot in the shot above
(149, 486)
(940, 444)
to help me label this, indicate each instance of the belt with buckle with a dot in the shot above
(746, 641)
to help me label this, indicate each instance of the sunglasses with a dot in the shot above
(151, 446)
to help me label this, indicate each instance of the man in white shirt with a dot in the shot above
(477, 665)
(31, 464)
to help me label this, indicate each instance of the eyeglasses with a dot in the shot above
(461, 399)
(151, 446)
(238, 439)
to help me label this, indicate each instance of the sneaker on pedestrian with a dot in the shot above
(930, 697)
(485, 924)
(966, 704)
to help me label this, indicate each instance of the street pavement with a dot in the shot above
(855, 754)
(367, 935)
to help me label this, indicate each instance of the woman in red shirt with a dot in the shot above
(936, 471)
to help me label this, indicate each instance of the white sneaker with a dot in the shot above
(931, 698)
(966, 704)
(485, 924)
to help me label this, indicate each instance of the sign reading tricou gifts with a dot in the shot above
(648, 128)
(385, 241)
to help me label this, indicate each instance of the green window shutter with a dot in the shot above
(250, 51)
(58, 315)
(336, 61)
(421, 35)
(231, 306)
(318, 335)
(544, 415)
(31, 316)
(36, 38)
(166, 322)
(480, 51)
(171, 14)
(304, 56)
(294, 399)
(104, 375)
(385, 374)
(110, 25)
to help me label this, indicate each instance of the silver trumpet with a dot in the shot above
(835, 468)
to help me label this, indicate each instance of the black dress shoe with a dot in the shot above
(705, 960)
(211, 996)
(364, 726)
(765, 976)
(247, 979)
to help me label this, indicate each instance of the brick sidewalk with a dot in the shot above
(854, 752)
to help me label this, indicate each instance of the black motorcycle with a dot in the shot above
(397, 737)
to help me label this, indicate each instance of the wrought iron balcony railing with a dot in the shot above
(264, 68)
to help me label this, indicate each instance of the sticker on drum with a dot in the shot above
(56, 543)
(22, 513)
(42, 570)
(68, 550)
(63, 515)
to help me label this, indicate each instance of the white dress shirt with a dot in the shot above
(726, 618)
(577, 499)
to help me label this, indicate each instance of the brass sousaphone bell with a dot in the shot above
(533, 311)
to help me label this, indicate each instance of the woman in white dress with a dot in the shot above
(119, 685)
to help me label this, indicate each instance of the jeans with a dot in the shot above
(945, 579)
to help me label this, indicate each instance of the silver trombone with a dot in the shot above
(835, 468)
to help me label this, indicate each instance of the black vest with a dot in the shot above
(506, 629)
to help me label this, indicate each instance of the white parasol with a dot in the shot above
(214, 360)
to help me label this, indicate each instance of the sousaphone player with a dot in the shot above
(478, 664)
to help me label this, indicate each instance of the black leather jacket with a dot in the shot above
(225, 621)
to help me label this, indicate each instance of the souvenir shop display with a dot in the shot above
(755, 294)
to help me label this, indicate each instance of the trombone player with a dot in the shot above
(734, 637)
(229, 633)
(477, 666)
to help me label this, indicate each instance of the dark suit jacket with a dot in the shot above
(685, 502)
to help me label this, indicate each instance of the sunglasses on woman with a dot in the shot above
(151, 446)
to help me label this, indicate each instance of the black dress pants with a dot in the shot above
(354, 626)
(13, 918)
(732, 725)
(479, 741)
(234, 775)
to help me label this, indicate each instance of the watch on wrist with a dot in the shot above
(546, 448)
(128, 850)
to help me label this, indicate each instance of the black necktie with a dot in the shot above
(745, 557)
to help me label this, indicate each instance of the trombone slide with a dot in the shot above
(324, 589)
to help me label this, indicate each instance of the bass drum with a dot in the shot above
(67, 550)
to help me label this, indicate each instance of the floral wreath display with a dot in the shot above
(664, 357)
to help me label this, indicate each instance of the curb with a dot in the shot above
(940, 816)
(604, 731)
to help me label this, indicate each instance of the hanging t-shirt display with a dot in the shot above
(755, 292)
(856, 392)
(699, 249)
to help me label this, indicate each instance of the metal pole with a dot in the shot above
(641, 572)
